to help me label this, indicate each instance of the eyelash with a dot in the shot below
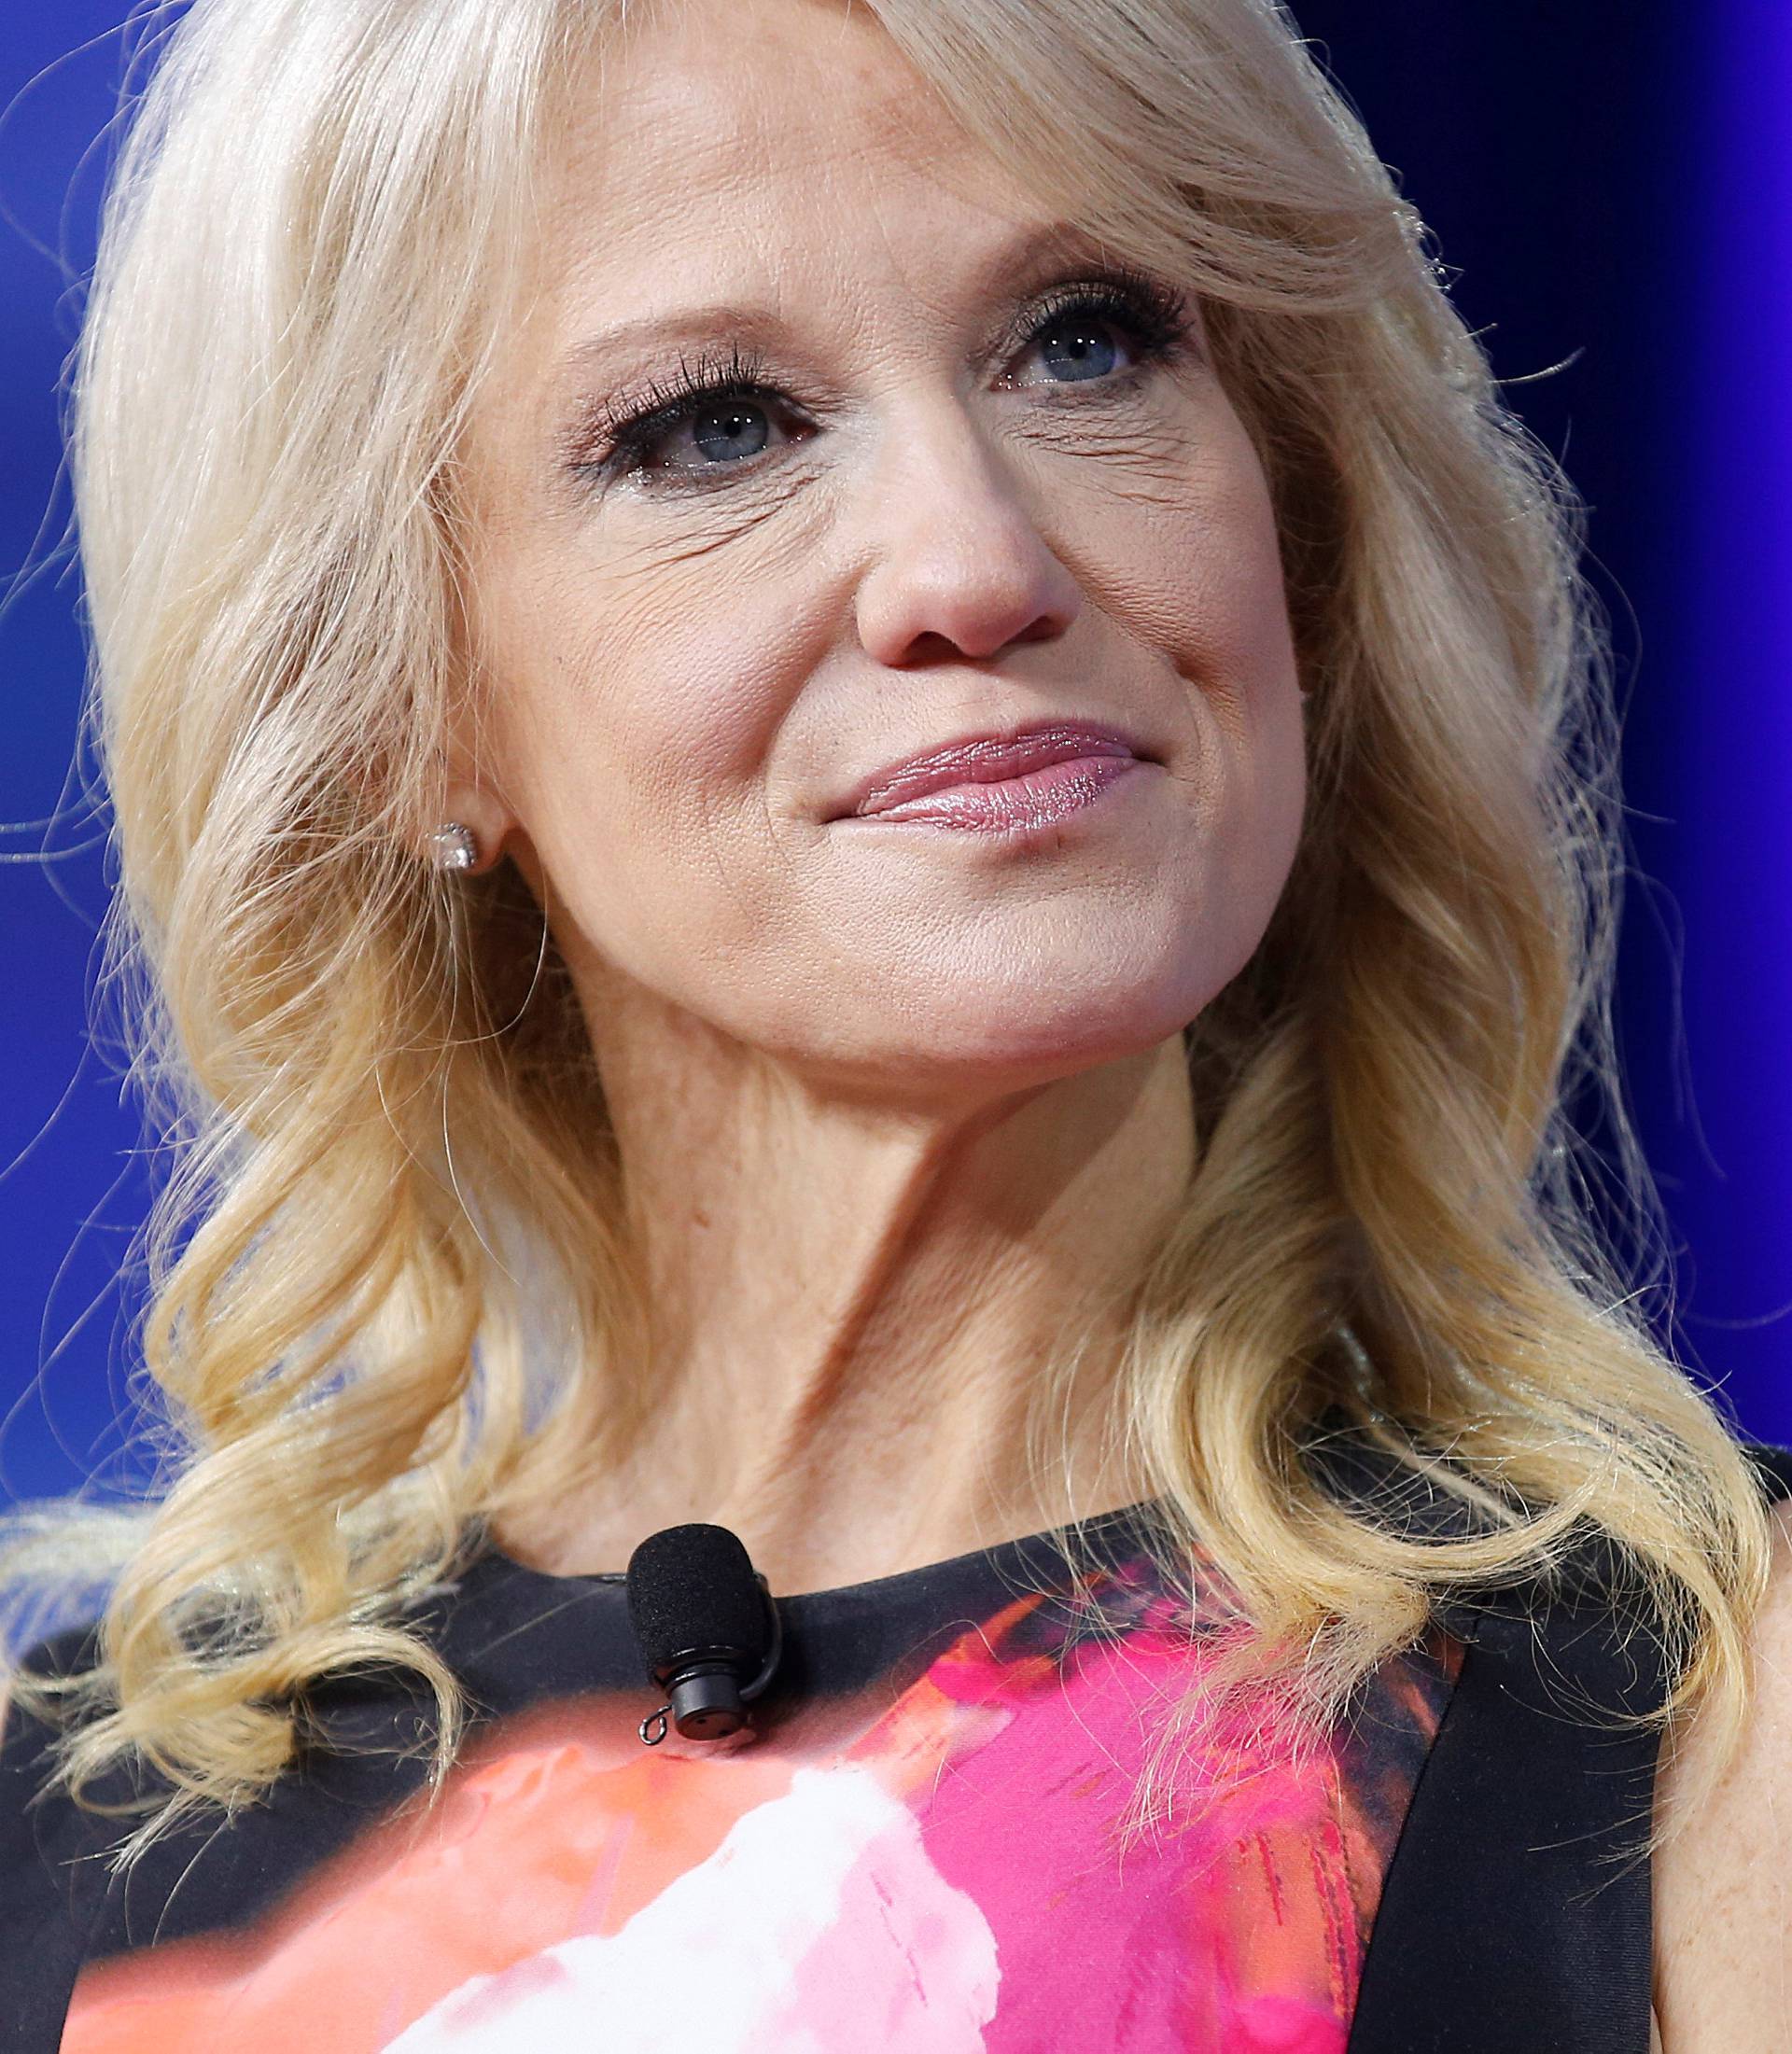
(1156, 314)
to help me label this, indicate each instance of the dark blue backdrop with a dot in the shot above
(1613, 185)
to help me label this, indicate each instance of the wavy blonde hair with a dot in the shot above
(392, 1298)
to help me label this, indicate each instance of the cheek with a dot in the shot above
(1257, 708)
(633, 736)
(1216, 596)
(1218, 606)
(1185, 560)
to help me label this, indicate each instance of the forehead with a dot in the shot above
(720, 148)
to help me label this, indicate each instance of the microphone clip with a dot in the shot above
(708, 1627)
(706, 1698)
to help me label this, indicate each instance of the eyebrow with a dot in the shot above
(1028, 247)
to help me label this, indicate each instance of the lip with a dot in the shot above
(988, 758)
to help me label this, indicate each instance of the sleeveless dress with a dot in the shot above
(918, 1846)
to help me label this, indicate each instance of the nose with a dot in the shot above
(960, 568)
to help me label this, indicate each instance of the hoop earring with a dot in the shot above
(453, 845)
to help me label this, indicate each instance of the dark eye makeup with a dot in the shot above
(619, 440)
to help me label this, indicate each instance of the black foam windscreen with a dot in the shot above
(692, 1588)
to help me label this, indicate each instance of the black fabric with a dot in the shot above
(1517, 1916)
(42, 1917)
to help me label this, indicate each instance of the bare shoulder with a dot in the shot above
(1723, 1904)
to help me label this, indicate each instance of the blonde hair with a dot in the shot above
(393, 1153)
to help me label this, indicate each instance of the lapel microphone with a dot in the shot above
(708, 1629)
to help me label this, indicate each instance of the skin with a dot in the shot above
(1722, 1910)
(895, 1104)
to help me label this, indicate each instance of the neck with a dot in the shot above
(851, 1308)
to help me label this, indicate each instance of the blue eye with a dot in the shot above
(728, 409)
(1081, 335)
(726, 405)
(1153, 315)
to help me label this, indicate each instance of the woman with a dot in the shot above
(867, 799)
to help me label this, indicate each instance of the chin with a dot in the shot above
(981, 1038)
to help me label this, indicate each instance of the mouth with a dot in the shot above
(1028, 778)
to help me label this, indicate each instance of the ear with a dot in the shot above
(470, 796)
(474, 805)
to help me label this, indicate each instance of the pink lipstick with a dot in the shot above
(999, 783)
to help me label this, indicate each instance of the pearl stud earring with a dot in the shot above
(453, 845)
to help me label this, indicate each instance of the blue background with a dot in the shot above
(1612, 184)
